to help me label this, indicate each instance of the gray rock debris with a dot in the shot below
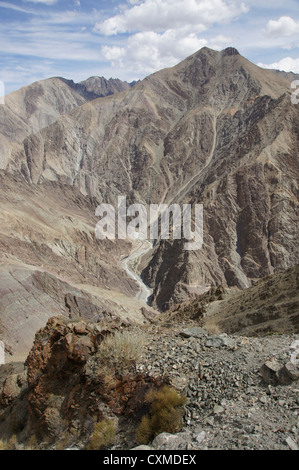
(220, 341)
(292, 445)
(229, 405)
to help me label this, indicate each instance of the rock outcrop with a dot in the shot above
(241, 393)
(65, 389)
(100, 86)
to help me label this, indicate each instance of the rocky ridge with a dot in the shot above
(270, 306)
(232, 400)
(64, 387)
(100, 86)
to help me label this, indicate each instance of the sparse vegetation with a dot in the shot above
(103, 435)
(122, 350)
(165, 414)
(11, 444)
(32, 443)
(212, 327)
(65, 441)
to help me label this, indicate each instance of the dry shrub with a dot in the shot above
(122, 350)
(103, 435)
(165, 414)
(9, 445)
(32, 443)
(107, 374)
(212, 327)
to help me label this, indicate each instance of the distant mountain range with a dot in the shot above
(215, 129)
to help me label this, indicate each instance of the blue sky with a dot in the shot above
(130, 39)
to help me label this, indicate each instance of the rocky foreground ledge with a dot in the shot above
(241, 393)
(236, 397)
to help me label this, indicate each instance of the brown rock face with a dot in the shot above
(67, 391)
(36, 106)
(271, 306)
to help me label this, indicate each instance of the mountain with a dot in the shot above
(270, 306)
(215, 129)
(100, 86)
(33, 107)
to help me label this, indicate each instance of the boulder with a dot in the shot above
(167, 441)
(219, 341)
(194, 332)
(274, 373)
(143, 447)
(270, 371)
(292, 370)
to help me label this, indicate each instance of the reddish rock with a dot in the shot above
(66, 387)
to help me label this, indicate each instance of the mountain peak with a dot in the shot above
(100, 86)
(230, 51)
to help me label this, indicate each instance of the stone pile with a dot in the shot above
(229, 405)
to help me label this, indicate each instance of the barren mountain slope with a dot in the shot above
(51, 263)
(216, 130)
(33, 107)
(271, 306)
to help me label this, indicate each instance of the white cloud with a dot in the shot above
(63, 46)
(46, 2)
(162, 15)
(287, 65)
(284, 26)
(163, 32)
(11, 6)
(113, 53)
(56, 35)
(147, 52)
(220, 42)
(62, 35)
